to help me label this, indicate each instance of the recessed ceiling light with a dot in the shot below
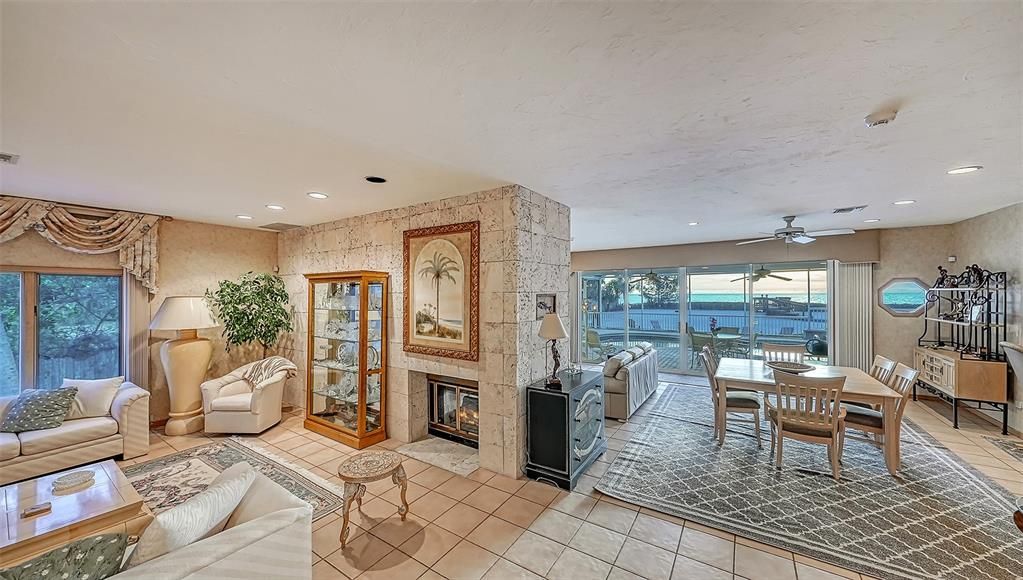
(965, 169)
(375, 179)
(904, 202)
(871, 221)
(694, 223)
(275, 207)
(243, 216)
(317, 195)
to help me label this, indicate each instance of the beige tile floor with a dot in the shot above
(493, 527)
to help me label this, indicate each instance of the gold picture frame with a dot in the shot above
(442, 290)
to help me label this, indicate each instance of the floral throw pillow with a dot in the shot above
(38, 409)
(93, 558)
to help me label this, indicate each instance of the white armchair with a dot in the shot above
(232, 405)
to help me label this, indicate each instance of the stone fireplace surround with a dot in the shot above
(524, 250)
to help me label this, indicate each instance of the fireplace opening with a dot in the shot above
(454, 410)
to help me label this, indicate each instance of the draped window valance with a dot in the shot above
(133, 235)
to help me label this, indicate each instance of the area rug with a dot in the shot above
(1013, 447)
(454, 457)
(169, 480)
(939, 519)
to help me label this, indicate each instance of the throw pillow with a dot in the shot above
(202, 515)
(94, 396)
(95, 558)
(37, 409)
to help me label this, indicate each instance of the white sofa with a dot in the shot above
(232, 405)
(269, 535)
(630, 377)
(124, 432)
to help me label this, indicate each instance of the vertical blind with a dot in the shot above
(135, 335)
(853, 288)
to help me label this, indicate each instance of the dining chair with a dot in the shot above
(882, 368)
(783, 352)
(871, 421)
(698, 340)
(808, 409)
(734, 401)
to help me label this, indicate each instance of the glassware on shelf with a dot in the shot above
(346, 355)
(372, 358)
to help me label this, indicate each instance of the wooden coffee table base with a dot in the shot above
(364, 468)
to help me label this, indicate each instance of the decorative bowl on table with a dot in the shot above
(785, 366)
(73, 480)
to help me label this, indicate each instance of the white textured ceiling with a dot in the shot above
(640, 116)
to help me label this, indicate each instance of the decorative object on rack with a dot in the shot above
(546, 304)
(442, 287)
(960, 353)
(185, 359)
(346, 370)
(553, 330)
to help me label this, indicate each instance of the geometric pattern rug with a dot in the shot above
(166, 481)
(940, 518)
(1013, 447)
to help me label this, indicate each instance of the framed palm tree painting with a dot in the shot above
(442, 290)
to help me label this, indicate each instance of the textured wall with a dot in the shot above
(524, 249)
(31, 249)
(194, 257)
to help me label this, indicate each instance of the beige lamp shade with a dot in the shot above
(551, 328)
(183, 313)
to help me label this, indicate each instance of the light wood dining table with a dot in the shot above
(859, 387)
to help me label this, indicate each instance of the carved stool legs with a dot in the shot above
(399, 479)
(352, 491)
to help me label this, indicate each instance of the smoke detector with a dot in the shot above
(880, 118)
(9, 158)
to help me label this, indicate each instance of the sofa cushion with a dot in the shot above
(38, 409)
(239, 402)
(201, 516)
(616, 362)
(93, 397)
(646, 346)
(94, 558)
(70, 433)
(636, 352)
(10, 446)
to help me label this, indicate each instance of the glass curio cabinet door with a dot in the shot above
(346, 356)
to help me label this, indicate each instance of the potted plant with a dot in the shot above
(253, 309)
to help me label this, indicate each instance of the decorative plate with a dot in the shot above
(789, 367)
(72, 480)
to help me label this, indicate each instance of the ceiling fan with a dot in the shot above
(797, 234)
(761, 273)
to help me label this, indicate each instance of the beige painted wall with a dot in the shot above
(860, 247)
(194, 257)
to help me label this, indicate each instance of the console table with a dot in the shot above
(565, 427)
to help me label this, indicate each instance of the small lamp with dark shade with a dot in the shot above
(553, 330)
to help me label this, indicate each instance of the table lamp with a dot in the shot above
(185, 359)
(552, 329)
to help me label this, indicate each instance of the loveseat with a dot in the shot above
(630, 377)
(124, 432)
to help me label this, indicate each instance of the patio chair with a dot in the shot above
(871, 421)
(729, 329)
(633, 325)
(787, 330)
(734, 401)
(655, 325)
(783, 352)
(698, 340)
(808, 410)
(593, 344)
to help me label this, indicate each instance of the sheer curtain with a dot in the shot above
(135, 334)
(852, 288)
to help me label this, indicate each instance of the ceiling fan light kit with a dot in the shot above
(797, 234)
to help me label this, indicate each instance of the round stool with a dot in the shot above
(364, 468)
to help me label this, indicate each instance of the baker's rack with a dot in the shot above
(966, 313)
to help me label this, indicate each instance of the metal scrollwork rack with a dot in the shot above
(958, 353)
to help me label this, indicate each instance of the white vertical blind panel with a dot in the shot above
(135, 333)
(854, 309)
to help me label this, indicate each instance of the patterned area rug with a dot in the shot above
(1013, 447)
(939, 519)
(169, 480)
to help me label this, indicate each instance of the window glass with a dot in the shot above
(903, 296)
(10, 333)
(79, 328)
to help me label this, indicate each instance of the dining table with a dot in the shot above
(860, 387)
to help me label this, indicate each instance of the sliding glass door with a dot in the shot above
(718, 312)
(791, 306)
(654, 314)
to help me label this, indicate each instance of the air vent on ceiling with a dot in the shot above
(279, 227)
(850, 209)
(9, 159)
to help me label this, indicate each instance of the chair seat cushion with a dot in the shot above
(10, 446)
(742, 400)
(70, 433)
(239, 402)
(800, 428)
(863, 416)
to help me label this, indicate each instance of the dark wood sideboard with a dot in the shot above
(565, 427)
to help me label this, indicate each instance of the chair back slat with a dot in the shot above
(808, 402)
(902, 381)
(710, 366)
(882, 369)
(783, 352)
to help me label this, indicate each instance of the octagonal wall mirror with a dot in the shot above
(903, 296)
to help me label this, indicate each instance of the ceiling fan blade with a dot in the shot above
(754, 241)
(803, 239)
(780, 277)
(838, 232)
(737, 279)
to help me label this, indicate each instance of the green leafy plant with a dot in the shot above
(253, 309)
